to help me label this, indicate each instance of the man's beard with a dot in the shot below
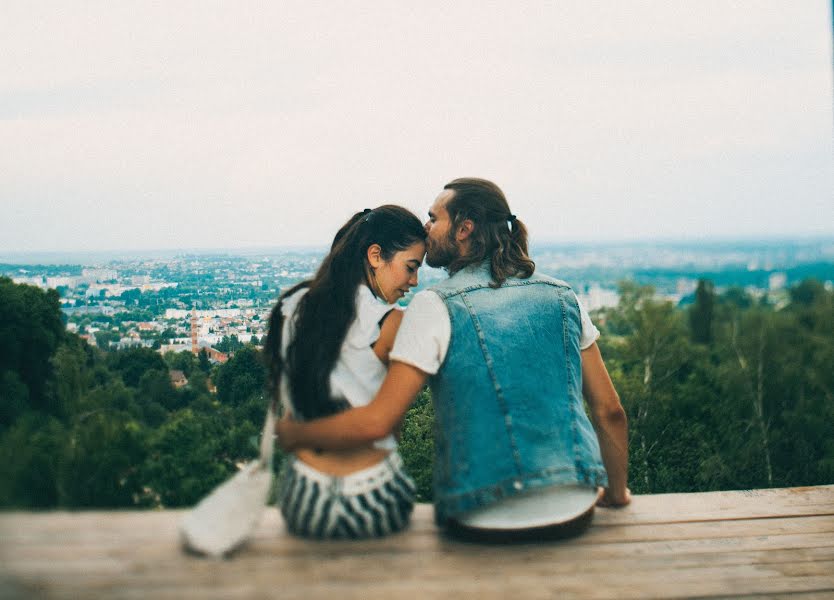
(441, 253)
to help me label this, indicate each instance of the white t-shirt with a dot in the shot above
(358, 372)
(422, 341)
(423, 337)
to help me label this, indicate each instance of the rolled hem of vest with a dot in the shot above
(543, 533)
(447, 507)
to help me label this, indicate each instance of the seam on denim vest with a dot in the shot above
(443, 470)
(441, 290)
(499, 393)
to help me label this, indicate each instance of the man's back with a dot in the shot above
(508, 397)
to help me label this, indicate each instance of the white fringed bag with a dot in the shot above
(225, 518)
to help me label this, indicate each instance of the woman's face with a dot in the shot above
(396, 276)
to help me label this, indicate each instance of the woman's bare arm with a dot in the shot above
(610, 423)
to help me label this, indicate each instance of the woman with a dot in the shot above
(327, 347)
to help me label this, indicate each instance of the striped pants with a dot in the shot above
(369, 503)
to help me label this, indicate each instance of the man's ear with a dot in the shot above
(465, 229)
(375, 256)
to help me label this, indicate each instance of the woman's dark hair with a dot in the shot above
(328, 308)
(498, 234)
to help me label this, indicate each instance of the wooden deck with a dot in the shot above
(759, 543)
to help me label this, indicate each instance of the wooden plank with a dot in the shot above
(286, 569)
(132, 566)
(113, 528)
(709, 506)
(131, 554)
(108, 533)
(67, 558)
(699, 582)
(817, 595)
(659, 508)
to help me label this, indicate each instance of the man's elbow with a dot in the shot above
(612, 413)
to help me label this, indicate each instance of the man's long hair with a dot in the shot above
(498, 235)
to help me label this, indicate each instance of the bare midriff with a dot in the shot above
(342, 462)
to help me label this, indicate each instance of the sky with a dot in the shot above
(167, 125)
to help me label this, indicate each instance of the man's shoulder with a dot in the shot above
(547, 279)
(439, 289)
(425, 300)
(470, 279)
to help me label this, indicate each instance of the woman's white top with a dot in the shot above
(358, 373)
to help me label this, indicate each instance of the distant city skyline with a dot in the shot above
(176, 127)
(222, 287)
(820, 246)
(761, 253)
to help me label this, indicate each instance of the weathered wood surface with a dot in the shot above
(758, 543)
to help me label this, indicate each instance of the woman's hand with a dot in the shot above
(609, 499)
(285, 430)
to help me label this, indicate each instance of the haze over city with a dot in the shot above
(188, 125)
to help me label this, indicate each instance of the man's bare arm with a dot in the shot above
(610, 423)
(358, 426)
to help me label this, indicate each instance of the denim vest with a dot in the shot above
(508, 397)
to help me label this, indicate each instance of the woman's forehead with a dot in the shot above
(414, 252)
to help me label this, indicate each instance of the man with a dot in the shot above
(508, 355)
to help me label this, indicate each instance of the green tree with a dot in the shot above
(72, 375)
(417, 444)
(100, 464)
(648, 365)
(104, 337)
(132, 363)
(14, 398)
(185, 458)
(701, 313)
(155, 386)
(744, 374)
(229, 344)
(203, 361)
(31, 328)
(131, 296)
(198, 382)
(807, 292)
(736, 297)
(182, 361)
(30, 452)
(241, 377)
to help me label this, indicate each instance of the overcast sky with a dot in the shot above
(147, 125)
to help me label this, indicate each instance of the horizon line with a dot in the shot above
(675, 241)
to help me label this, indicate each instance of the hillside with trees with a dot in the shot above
(730, 392)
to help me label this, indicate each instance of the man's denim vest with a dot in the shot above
(508, 397)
